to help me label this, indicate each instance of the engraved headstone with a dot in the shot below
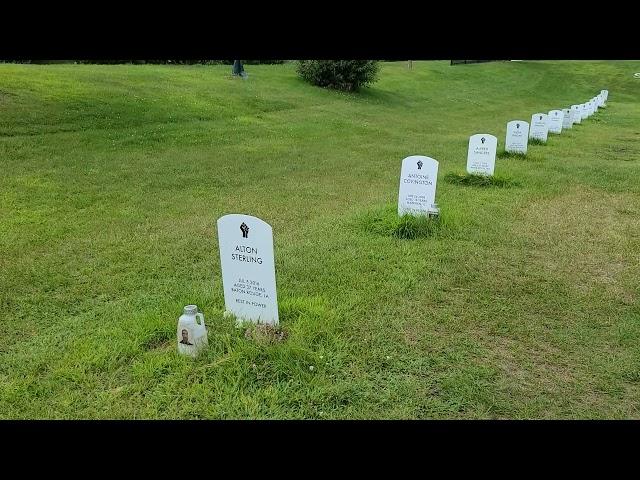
(539, 126)
(248, 268)
(481, 157)
(567, 120)
(555, 121)
(576, 113)
(517, 136)
(418, 178)
(584, 112)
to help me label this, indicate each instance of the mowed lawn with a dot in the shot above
(523, 304)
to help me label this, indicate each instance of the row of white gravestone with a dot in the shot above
(246, 242)
(482, 147)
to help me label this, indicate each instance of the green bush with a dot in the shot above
(347, 75)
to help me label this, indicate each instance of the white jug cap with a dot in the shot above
(190, 309)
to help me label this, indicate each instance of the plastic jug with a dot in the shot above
(192, 332)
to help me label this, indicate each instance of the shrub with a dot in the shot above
(347, 75)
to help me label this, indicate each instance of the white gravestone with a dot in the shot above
(592, 110)
(248, 268)
(418, 178)
(555, 121)
(539, 126)
(517, 136)
(576, 113)
(481, 157)
(605, 96)
(567, 120)
(595, 103)
(584, 112)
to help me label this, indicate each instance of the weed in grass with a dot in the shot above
(479, 180)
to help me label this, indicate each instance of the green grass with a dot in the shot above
(516, 303)
(386, 222)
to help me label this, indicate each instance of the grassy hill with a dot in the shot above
(524, 304)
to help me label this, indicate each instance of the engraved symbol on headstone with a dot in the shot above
(517, 125)
(540, 117)
(556, 114)
(420, 164)
(483, 139)
(245, 230)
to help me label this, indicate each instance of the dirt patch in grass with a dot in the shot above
(265, 333)
(583, 237)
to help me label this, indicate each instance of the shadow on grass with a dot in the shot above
(515, 155)
(537, 141)
(479, 180)
(388, 223)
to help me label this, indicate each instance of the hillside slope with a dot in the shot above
(523, 305)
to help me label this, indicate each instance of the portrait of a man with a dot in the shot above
(185, 337)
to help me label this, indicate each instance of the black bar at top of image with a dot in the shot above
(491, 33)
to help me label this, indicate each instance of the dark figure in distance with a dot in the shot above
(238, 69)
